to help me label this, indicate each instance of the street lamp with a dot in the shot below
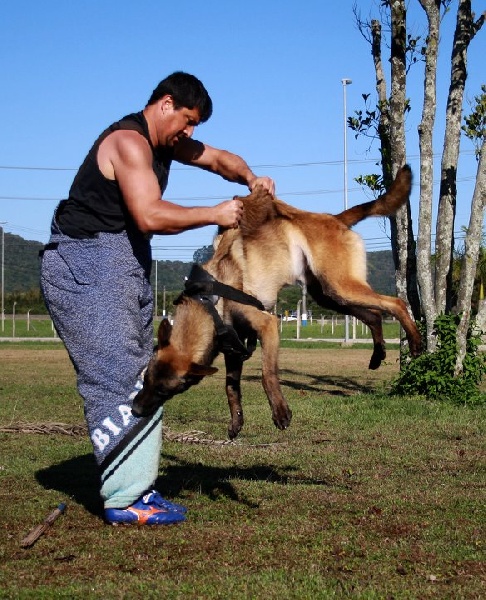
(156, 308)
(3, 223)
(345, 83)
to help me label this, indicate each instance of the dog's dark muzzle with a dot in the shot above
(145, 403)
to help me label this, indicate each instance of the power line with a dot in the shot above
(320, 192)
(189, 168)
(259, 166)
(35, 198)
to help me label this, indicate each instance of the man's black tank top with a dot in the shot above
(95, 203)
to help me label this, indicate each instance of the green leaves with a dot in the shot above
(432, 373)
(475, 123)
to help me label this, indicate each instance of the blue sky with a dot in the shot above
(273, 69)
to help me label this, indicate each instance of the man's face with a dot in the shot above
(176, 123)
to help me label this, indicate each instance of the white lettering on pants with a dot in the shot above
(126, 414)
(100, 439)
(108, 423)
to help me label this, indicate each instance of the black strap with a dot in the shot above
(228, 340)
(216, 288)
(207, 289)
(200, 282)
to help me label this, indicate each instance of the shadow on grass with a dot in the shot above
(216, 482)
(318, 383)
(77, 478)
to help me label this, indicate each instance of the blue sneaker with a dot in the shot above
(157, 499)
(150, 509)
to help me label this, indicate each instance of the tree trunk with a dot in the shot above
(425, 131)
(470, 259)
(384, 122)
(401, 225)
(444, 241)
(481, 317)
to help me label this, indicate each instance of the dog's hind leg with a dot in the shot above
(234, 367)
(373, 319)
(370, 317)
(354, 293)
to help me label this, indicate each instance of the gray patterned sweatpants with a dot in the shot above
(99, 297)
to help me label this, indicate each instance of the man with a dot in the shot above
(95, 279)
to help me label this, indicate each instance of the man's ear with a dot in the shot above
(167, 102)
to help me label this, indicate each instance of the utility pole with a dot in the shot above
(345, 83)
(304, 304)
(156, 292)
(3, 223)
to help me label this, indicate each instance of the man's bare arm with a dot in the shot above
(226, 164)
(131, 160)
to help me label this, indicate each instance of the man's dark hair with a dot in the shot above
(187, 91)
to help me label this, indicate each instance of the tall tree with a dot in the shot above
(475, 130)
(470, 259)
(425, 131)
(388, 122)
(435, 285)
(401, 224)
(466, 28)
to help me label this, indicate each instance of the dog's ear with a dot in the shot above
(165, 329)
(201, 370)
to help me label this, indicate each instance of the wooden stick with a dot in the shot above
(37, 531)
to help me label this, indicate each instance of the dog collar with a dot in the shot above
(202, 286)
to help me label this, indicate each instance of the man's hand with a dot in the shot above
(265, 182)
(229, 213)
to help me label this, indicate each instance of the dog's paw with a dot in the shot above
(282, 418)
(379, 354)
(235, 426)
(415, 346)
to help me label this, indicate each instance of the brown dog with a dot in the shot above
(275, 245)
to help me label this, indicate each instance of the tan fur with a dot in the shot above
(275, 245)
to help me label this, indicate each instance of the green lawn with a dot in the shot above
(364, 496)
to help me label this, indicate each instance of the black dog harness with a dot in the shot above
(204, 287)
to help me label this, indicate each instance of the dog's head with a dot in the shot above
(168, 373)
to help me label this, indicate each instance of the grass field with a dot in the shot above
(41, 327)
(364, 496)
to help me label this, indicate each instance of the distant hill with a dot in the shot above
(21, 268)
(381, 272)
(21, 264)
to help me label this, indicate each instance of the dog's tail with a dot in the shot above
(384, 205)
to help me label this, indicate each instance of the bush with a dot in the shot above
(432, 373)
